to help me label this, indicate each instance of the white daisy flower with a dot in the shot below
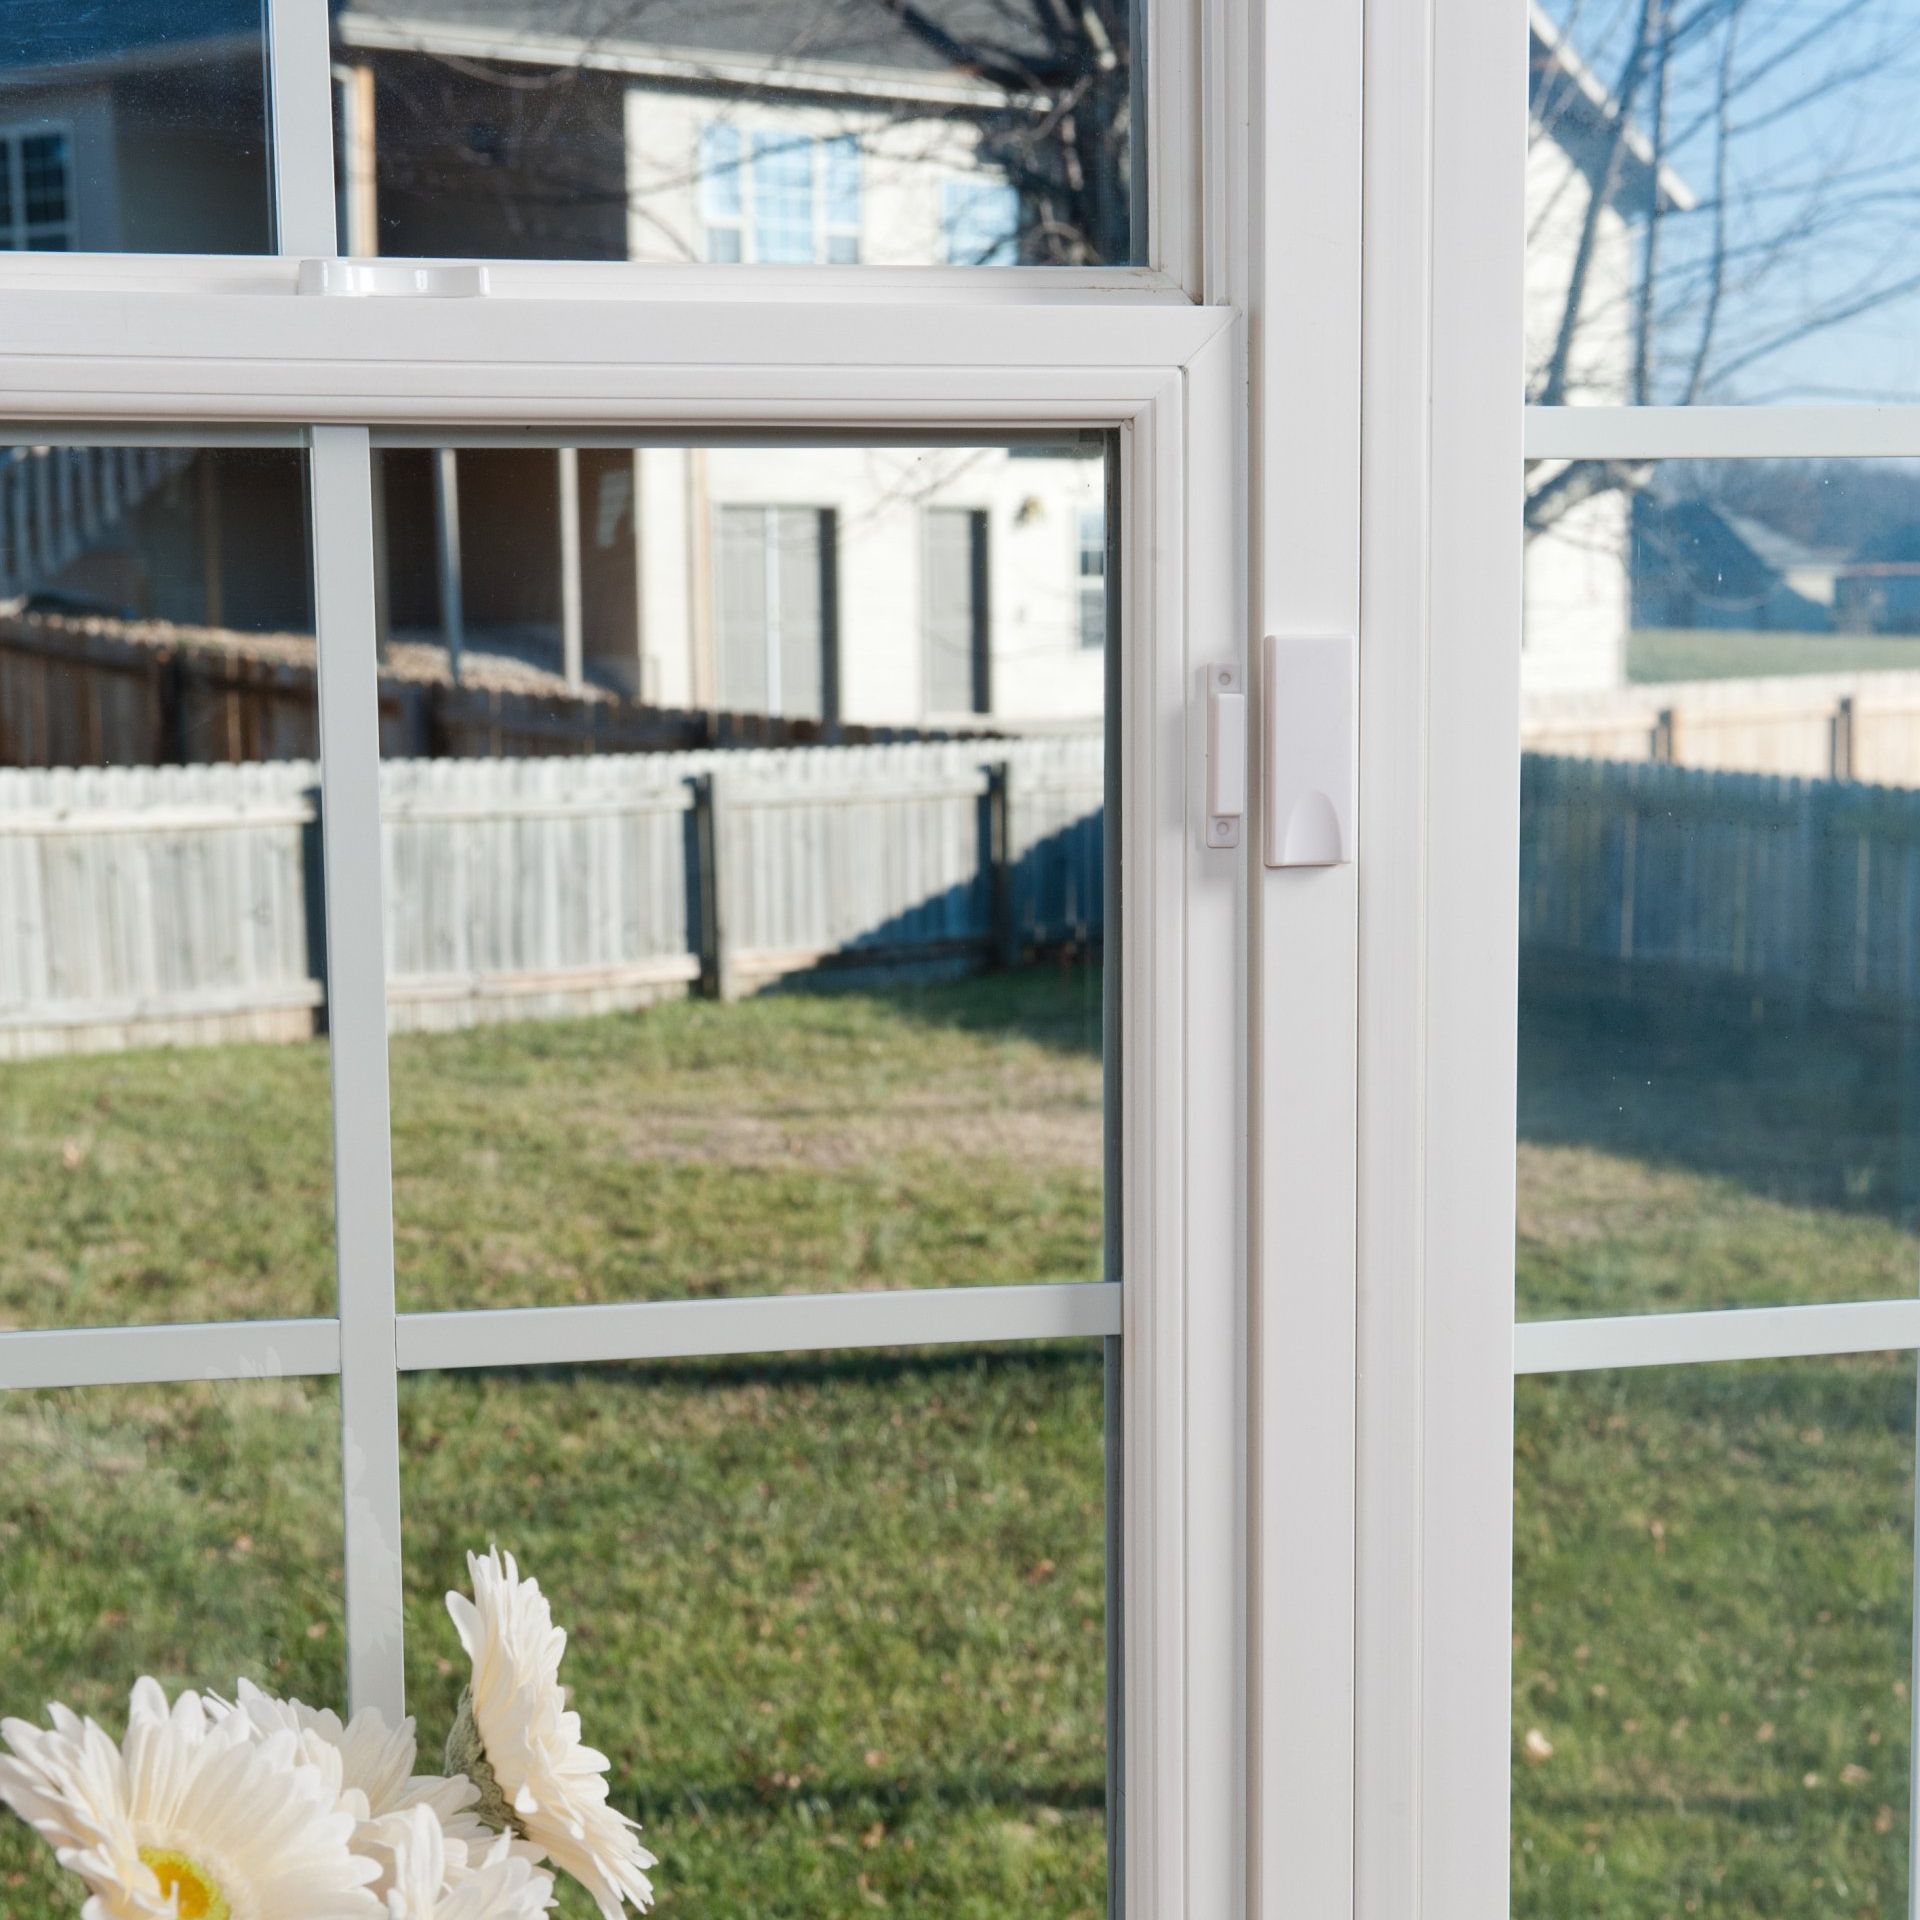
(376, 1766)
(517, 1741)
(436, 1877)
(188, 1819)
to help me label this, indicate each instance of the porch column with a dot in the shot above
(446, 527)
(572, 640)
(359, 183)
(213, 572)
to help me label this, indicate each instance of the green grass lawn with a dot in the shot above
(838, 1620)
(940, 1136)
(1708, 653)
(1712, 1566)
(1713, 1605)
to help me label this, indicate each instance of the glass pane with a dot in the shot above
(838, 1623)
(134, 128)
(1720, 886)
(1713, 1600)
(822, 132)
(1723, 203)
(772, 983)
(191, 1532)
(165, 1149)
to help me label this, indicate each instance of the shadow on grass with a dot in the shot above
(876, 1366)
(1054, 1002)
(950, 1791)
(1806, 1110)
(1770, 1811)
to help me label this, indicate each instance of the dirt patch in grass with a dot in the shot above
(1028, 1124)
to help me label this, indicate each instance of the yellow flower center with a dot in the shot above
(195, 1895)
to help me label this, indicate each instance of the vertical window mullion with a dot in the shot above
(345, 621)
(300, 81)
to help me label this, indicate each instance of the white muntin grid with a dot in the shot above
(1758, 1333)
(1446, 439)
(1767, 432)
(1164, 392)
(1176, 1034)
(1171, 1331)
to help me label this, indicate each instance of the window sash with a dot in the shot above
(1166, 165)
(967, 352)
(1439, 1347)
(1172, 1338)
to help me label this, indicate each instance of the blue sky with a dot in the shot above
(1821, 209)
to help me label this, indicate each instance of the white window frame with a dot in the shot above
(1241, 1132)
(1178, 1312)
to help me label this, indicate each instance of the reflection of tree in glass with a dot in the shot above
(508, 116)
(1734, 216)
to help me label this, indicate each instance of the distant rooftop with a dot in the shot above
(1577, 109)
(40, 35)
(854, 32)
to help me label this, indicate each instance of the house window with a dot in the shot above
(783, 184)
(722, 191)
(980, 223)
(36, 192)
(778, 197)
(841, 159)
(958, 650)
(1090, 569)
(773, 611)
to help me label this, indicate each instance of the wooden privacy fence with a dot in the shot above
(181, 905)
(1820, 726)
(1805, 892)
(86, 691)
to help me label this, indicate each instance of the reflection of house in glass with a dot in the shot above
(909, 588)
(793, 132)
(1697, 564)
(1576, 569)
(1701, 563)
(134, 128)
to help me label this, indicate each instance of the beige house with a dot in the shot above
(1578, 608)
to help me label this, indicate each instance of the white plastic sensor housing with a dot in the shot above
(1307, 760)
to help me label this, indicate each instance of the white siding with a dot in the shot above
(1577, 606)
(904, 164)
(1039, 671)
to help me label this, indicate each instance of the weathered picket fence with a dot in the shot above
(1803, 892)
(179, 905)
